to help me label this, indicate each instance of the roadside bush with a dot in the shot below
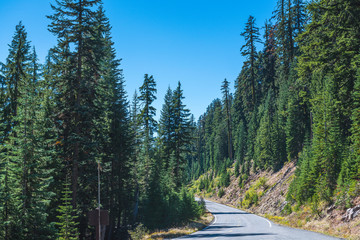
(261, 183)
(188, 206)
(202, 206)
(236, 168)
(169, 208)
(287, 209)
(139, 232)
(251, 198)
(221, 193)
(225, 179)
(201, 185)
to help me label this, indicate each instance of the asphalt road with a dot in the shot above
(232, 223)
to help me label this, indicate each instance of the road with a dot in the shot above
(232, 223)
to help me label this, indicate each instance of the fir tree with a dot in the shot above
(147, 122)
(182, 133)
(15, 77)
(227, 105)
(248, 50)
(269, 59)
(66, 220)
(167, 128)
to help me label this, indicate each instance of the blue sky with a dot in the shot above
(196, 42)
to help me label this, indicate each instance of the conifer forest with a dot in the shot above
(68, 118)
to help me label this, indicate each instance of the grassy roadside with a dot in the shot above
(182, 230)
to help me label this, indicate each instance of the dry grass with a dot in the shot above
(187, 229)
(329, 225)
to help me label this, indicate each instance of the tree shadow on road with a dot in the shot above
(230, 213)
(219, 227)
(230, 235)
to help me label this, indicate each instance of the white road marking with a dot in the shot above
(268, 221)
(212, 223)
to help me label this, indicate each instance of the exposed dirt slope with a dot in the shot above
(264, 194)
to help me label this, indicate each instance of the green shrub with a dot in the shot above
(221, 193)
(202, 206)
(287, 209)
(251, 198)
(201, 185)
(225, 179)
(236, 170)
(139, 232)
(261, 183)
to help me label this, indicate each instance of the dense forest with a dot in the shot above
(296, 99)
(67, 119)
(64, 120)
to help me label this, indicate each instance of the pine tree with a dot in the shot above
(350, 173)
(248, 50)
(113, 129)
(182, 133)
(66, 220)
(269, 56)
(148, 112)
(227, 105)
(15, 75)
(239, 119)
(147, 122)
(280, 17)
(327, 142)
(135, 128)
(355, 137)
(79, 49)
(299, 20)
(15, 72)
(167, 128)
(330, 45)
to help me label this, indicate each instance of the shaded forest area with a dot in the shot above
(63, 120)
(296, 99)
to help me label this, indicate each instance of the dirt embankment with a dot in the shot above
(264, 193)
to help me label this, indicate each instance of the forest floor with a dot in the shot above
(271, 189)
(185, 229)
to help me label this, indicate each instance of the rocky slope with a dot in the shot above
(264, 193)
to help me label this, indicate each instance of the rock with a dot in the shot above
(351, 213)
(283, 205)
(356, 211)
(329, 209)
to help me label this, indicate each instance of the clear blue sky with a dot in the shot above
(195, 41)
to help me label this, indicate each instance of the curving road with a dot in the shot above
(232, 223)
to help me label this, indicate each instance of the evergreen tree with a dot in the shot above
(350, 173)
(269, 59)
(248, 50)
(15, 76)
(147, 122)
(167, 128)
(91, 101)
(330, 45)
(66, 219)
(15, 71)
(227, 105)
(299, 20)
(113, 129)
(240, 122)
(182, 133)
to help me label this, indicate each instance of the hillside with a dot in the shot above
(290, 132)
(264, 193)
